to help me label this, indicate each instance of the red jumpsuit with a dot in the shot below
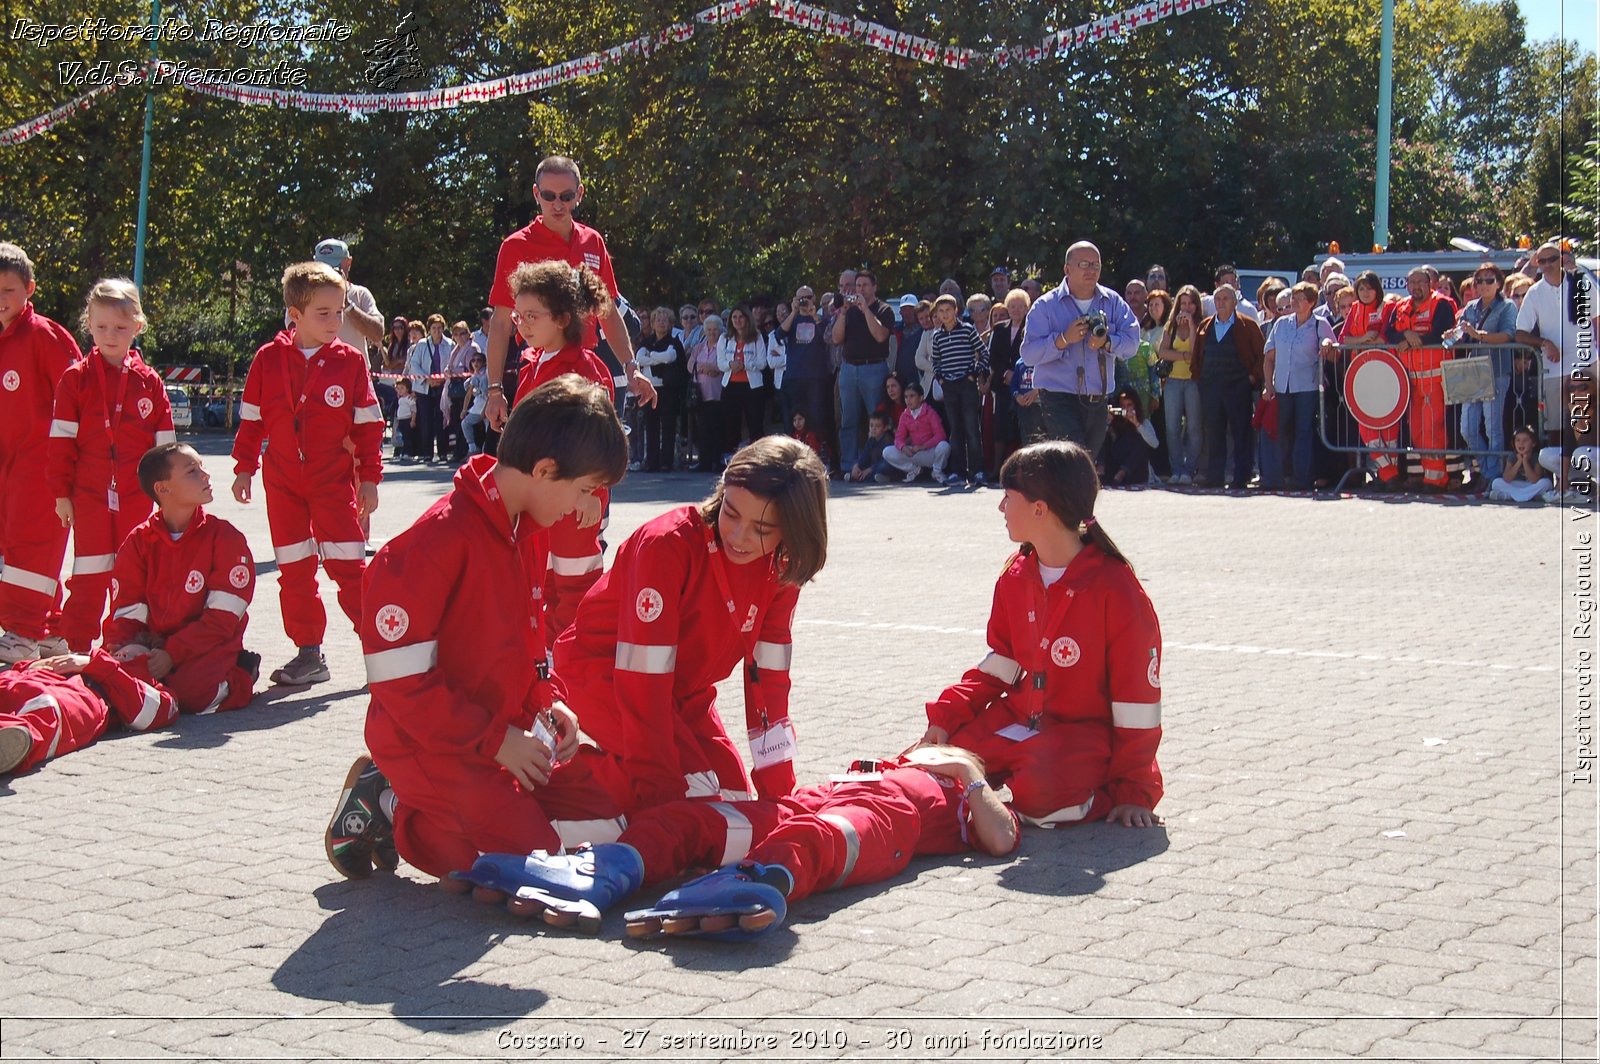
(455, 655)
(106, 418)
(192, 594)
(828, 836)
(1066, 708)
(1425, 412)
(577, 555)
(652, 640)
(67, 713)
(305, 408)
(34, 353)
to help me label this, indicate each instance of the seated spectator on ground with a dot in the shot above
(797, 424)
(870, 462)
(183, 583)
(1130, 440)
(1524, 479)
(919, 441)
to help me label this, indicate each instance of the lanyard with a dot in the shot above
(113, 421)
(1040, 646)
(754, 696)
(296, 406)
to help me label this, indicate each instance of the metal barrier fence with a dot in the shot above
(1404, 411)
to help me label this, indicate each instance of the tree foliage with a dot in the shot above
(756, 156)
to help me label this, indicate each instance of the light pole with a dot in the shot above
(144, 163)
(1380, 208)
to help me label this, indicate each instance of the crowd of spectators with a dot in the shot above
(1175, 384)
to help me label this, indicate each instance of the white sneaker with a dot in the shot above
(1553, 496)
(52, 645)
(1495, 495)
(953, 478)
(911, 477)
(15, 649)
(16, 743)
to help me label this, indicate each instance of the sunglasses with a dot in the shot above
(1548, 260)
(1487, 278)
(550, 197)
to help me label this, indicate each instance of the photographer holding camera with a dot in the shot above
(863, 326)
(1075, 331)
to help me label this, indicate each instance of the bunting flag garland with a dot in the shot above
(816, 20)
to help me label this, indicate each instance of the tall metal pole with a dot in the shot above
(1380, 209)
(144, 163)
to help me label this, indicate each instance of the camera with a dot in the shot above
(1099, 326)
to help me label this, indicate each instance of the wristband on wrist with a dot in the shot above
(497, 388)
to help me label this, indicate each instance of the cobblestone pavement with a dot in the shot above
(1372, 848)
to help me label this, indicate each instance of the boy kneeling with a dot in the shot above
(463, 722)
(182, 583)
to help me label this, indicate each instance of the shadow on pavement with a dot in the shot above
(404, 948)
(272, 708)
(1074, 862)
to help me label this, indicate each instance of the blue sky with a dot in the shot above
(1561, 18)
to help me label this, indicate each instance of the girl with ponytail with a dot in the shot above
(1066, 707)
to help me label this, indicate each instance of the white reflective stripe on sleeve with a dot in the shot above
(1001, 668)
(736, 796)
(401, 662)
(1069, 815)
(367, 415)
(63, 430)
(774, 656)
(653, 661)
(576, 566)
(222, 600)
(32, 581)
(290, 553)
(701, 785)
(88, 564)
(852, 846)
(149, 707)
(1136, 714)
(740, 836)
(342, 552)
(39, 704)
(137, 611)
(575, 833)
(222, 692)
(249, 412)
(166, 436)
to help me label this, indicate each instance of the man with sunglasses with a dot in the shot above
(555, 234)
(1548, 320)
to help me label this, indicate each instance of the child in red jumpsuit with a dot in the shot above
(183, 582)
(862, 827)
(110, 409)
(1066, 707)
(693, 595)
(554, 305)
(56, 705)
(307, 391)
(463, 721)
(34, 353)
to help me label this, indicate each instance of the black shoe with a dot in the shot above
(250, 663)
(359, 828)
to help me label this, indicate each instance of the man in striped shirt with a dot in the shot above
(959, 357)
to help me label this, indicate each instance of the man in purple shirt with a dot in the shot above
(1073, 369)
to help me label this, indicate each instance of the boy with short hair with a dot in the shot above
(34, 353)
(182, 583)
(870, 461)
(306, 393)
(463, 719)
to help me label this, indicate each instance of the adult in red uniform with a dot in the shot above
(555, 236)
(307, 391)
(456, 660)
(57, 705)
(861, 827)
(554, 301)
(184, 581)
(1416, 328)
(34, 353)
(693, 594)
(1066, 707)
(1367, 325)
(110, 409)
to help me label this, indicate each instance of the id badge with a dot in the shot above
(773, 746)
(541, 732)
(1017, 733)
(113, 503)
